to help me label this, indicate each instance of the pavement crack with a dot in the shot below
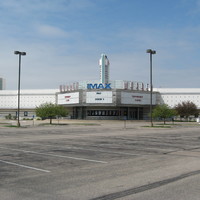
(143, 188)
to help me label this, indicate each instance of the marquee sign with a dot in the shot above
(68, 98)
(99, 86)
(99, 97)
(137, 98)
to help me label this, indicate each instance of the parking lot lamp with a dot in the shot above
(151, 52)
(19, 77)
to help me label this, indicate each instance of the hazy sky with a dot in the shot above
(65, 38)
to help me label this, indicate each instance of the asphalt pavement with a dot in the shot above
(100, 160)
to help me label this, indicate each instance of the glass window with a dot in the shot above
(25, 113)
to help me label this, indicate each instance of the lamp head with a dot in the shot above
(151, 51)
(20, 53)
(16, 52)
(148, 50)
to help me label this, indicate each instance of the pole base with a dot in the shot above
(18, 124)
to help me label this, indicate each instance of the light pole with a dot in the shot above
(18, 109)
(151, 52)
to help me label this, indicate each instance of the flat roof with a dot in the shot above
(32, 91)
(177, 90)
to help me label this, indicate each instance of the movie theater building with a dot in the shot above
(83, 100)
(115, 100)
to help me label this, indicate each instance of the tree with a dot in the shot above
(49, 111)
(163, 111)
(187, 108)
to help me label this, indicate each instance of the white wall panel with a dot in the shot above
(68, 98)
(28, 98)
(99, 97)
(173, 100)
(26, 101)
(137, 98)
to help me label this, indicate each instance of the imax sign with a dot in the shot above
(99, 86)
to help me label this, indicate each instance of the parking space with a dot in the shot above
(80, 162)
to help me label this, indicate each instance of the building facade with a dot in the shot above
(29, 100)
(106, 103)
(173, 96)
(114, 103)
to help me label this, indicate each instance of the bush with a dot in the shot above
(9, 116)
(50, 111)
(187, 109)
(164, 112)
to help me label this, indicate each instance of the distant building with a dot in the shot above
(2, 84)
(104, 69)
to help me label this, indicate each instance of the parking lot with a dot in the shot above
(100, 160)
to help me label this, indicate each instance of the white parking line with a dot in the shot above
(55, 155)
(86, 149)
(24, 166)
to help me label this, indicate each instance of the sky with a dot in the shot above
(64, 40)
